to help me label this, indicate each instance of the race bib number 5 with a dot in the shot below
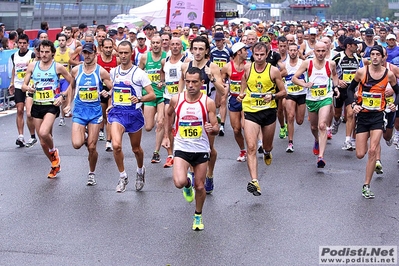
(121, 96)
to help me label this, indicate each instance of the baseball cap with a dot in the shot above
(121, 25)
(88, 47)
(312, 31)
(286, 29)
(237, 46)
(176, 31)
(330, 33)
(350, 40)
(82, 26)
(112, 32)
(218, 36)
(270, 31)
(133, 30)
(377, 48)
(141, 35)
(239, 31)
(192, 37)
(391, 36)
(148, 27)
(369, 32)
(351, 28)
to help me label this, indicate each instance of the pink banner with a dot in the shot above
(184, 12)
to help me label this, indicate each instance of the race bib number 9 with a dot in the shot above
(318, 91)
(371, 101)
(45, 94)
(88, 94)
(121, 96)
(190, 130)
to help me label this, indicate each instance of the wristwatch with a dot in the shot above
(353, 105)
(213, 80)
(63, 96)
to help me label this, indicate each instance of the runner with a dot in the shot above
(20, 61)
(171, 74)
(87, 111)
(195, 121)
(200, 49)
(369, 105)
(233, 71)
(263, 86)
(150, 62)
(125, 114)
(46, 100)
(294, 103)
(321, 74)
(108, 61)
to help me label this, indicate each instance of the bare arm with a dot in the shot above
(183, 73)
(212, 127)
(143, 60)
(25, 86)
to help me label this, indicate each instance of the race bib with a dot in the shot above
(88, 94)
(318, 91)
(21, 73)
(190, 130)
(371, 101)
(292, 88)
(203, 90)
(389, 99)
(235, 87)
(154, 75)
(45, 94)
(220, 62)
(121, 96)
(172, 87)
(258, 101)
(348, 75)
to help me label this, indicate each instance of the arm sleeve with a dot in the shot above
(396, 90)
(351, 90)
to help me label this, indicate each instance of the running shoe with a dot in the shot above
(197, 223)
(188, 193)
(121, 187)
(396, 141)
(55, 158)
(30, 142)
(329, 133)
(254, 188)
(54, 171)
(366, 192)
(316, 148)
(101, 136)
(389, 142)
(347, 146)
(378, 167)
(69, 114)
(168, 163)
(209, 185)
(91, 181)
(320, 162)
(260, 149)
(20, 142)
(140, 180)
(221, 131)
(62, 122)
(290, 148)
(242, 157)
(155, 158)
(108, 146)
(283, 132)
(218, 117)
(335, 126)
(353, 142)
(267, 158)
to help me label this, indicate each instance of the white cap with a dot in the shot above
(312, 31)
(121, 25)
(133, 30)
(391, 36)
(141, 35)
(237, 46)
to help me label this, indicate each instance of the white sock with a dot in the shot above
(122, 174)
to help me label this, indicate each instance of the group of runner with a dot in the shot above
(124, 82)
